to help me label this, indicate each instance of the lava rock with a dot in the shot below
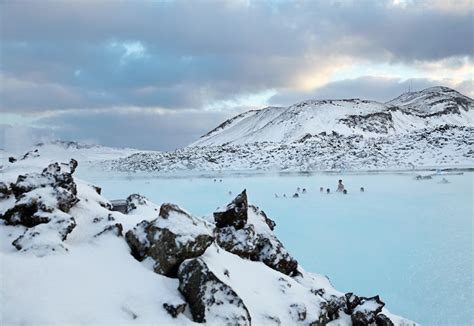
(210, 299)
(382, 320)
(174, 309)
(169, 240)
(363, 311)
(242, 242)
(133, 201)
(47, 237)
(5, 190)
(234, 214)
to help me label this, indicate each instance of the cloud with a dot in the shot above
(174, 54)
(134, 127)
(375, 88)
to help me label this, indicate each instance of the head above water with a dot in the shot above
(328, 191)
(344, 192)
(321, 189)
(362, 189)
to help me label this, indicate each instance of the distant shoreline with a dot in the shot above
(251, 173)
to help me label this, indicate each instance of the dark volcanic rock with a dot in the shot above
(115, 229)
(174, 309)
(170, 240)
(42, 201)
(235, 214)
(382, 320)
(242, 242)
(273, 254)
(243, 239)
(5, 190)
(363, 311)
(210, 299)
(46, 237)
(135, 200)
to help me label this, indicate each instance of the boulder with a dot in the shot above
(210, 299)
(134, 201)
(242, 242)
(362, 311)
(234, 214)
(48, 237)
(253, 237)
(42, 202)
(169, 239)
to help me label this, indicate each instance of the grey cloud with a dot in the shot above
(367, 87)
(202, 52)
(138, 129)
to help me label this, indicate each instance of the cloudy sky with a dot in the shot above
(158, 74)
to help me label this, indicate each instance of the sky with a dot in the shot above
(159, 74)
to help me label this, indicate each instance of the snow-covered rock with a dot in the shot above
(210, 299)
(246, 231)
(41, 203)
(170, 239)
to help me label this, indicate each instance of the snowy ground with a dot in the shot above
(409, 241)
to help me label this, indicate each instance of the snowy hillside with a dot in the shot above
(69, 258)
(431, 107)
(442, 147)
(45, 153)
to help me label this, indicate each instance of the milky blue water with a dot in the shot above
(409, 241)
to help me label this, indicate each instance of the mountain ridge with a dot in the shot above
(431, 107)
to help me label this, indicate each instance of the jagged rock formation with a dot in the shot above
(41, 203)
(210, 298)
(169, 239)
(251, 238)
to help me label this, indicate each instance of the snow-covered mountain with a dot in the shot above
(432, 107)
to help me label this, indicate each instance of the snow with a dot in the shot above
(250, 280)
(98, 282)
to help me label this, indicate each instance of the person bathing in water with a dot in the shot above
(340, 186)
